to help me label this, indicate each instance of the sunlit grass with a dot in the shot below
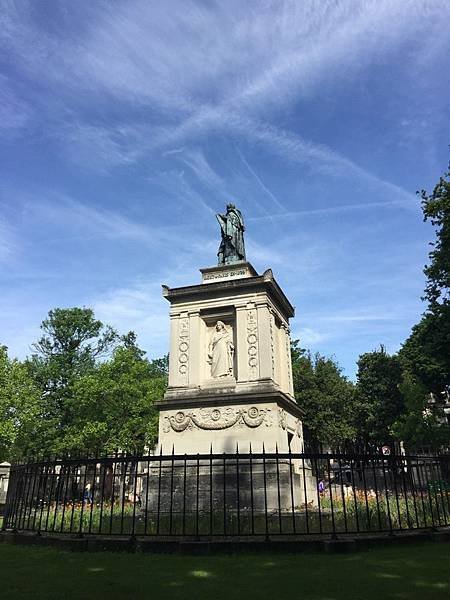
(415, 572)
(201, 574)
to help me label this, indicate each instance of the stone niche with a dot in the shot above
(209, 317)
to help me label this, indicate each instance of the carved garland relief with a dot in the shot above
(217, 418)
(289, 358)
(286, 331)
(272, 342)
(183, 349)
(252, 343)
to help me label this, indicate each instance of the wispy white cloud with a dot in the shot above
(140, 308)
(317, 38)
(157, 88)
(208, 67)
(327, 210)
(318, 157)
(195, 159)
(351, 318)
(178, 188)
(309, 336)
(8, 242)
(65, 213)
(15, 112)
(102, 148)
(266, 190)
(69, 219)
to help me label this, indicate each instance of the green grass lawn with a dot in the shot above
(419, 571)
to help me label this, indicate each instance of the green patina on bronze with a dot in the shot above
(231, 249)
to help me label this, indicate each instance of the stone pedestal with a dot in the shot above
(235, 323)
(254, 402)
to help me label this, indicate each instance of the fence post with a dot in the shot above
(266, 516)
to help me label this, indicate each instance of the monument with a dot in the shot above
(230, 373)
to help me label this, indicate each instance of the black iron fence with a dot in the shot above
(241, 494)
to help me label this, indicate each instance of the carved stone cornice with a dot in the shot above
(190, 399)
(245, 285)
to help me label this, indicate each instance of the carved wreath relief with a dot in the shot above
(218, 418)
(252, 343)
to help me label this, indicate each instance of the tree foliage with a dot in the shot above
(84, 389)
(426, 353)
(72, 342)
(379, 400)
(19, 408)
(436, 209)
(116, 404)
(422, 422)
(325, 395)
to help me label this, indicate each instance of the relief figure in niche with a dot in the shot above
(220, 351)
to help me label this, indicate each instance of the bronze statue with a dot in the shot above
(231, 247)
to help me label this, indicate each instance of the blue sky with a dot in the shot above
(125, 126)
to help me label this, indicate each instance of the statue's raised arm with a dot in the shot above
(232, 228)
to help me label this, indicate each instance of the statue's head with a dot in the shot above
(230, 206)
(220, 325)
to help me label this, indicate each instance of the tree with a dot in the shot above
(425, 354)
(436, 209)
(325, 395)
(84, 389)
(379, 400)
(73, 341)
(117, 404)
(422, 422)
(19, 408)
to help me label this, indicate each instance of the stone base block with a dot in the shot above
(220, 494)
